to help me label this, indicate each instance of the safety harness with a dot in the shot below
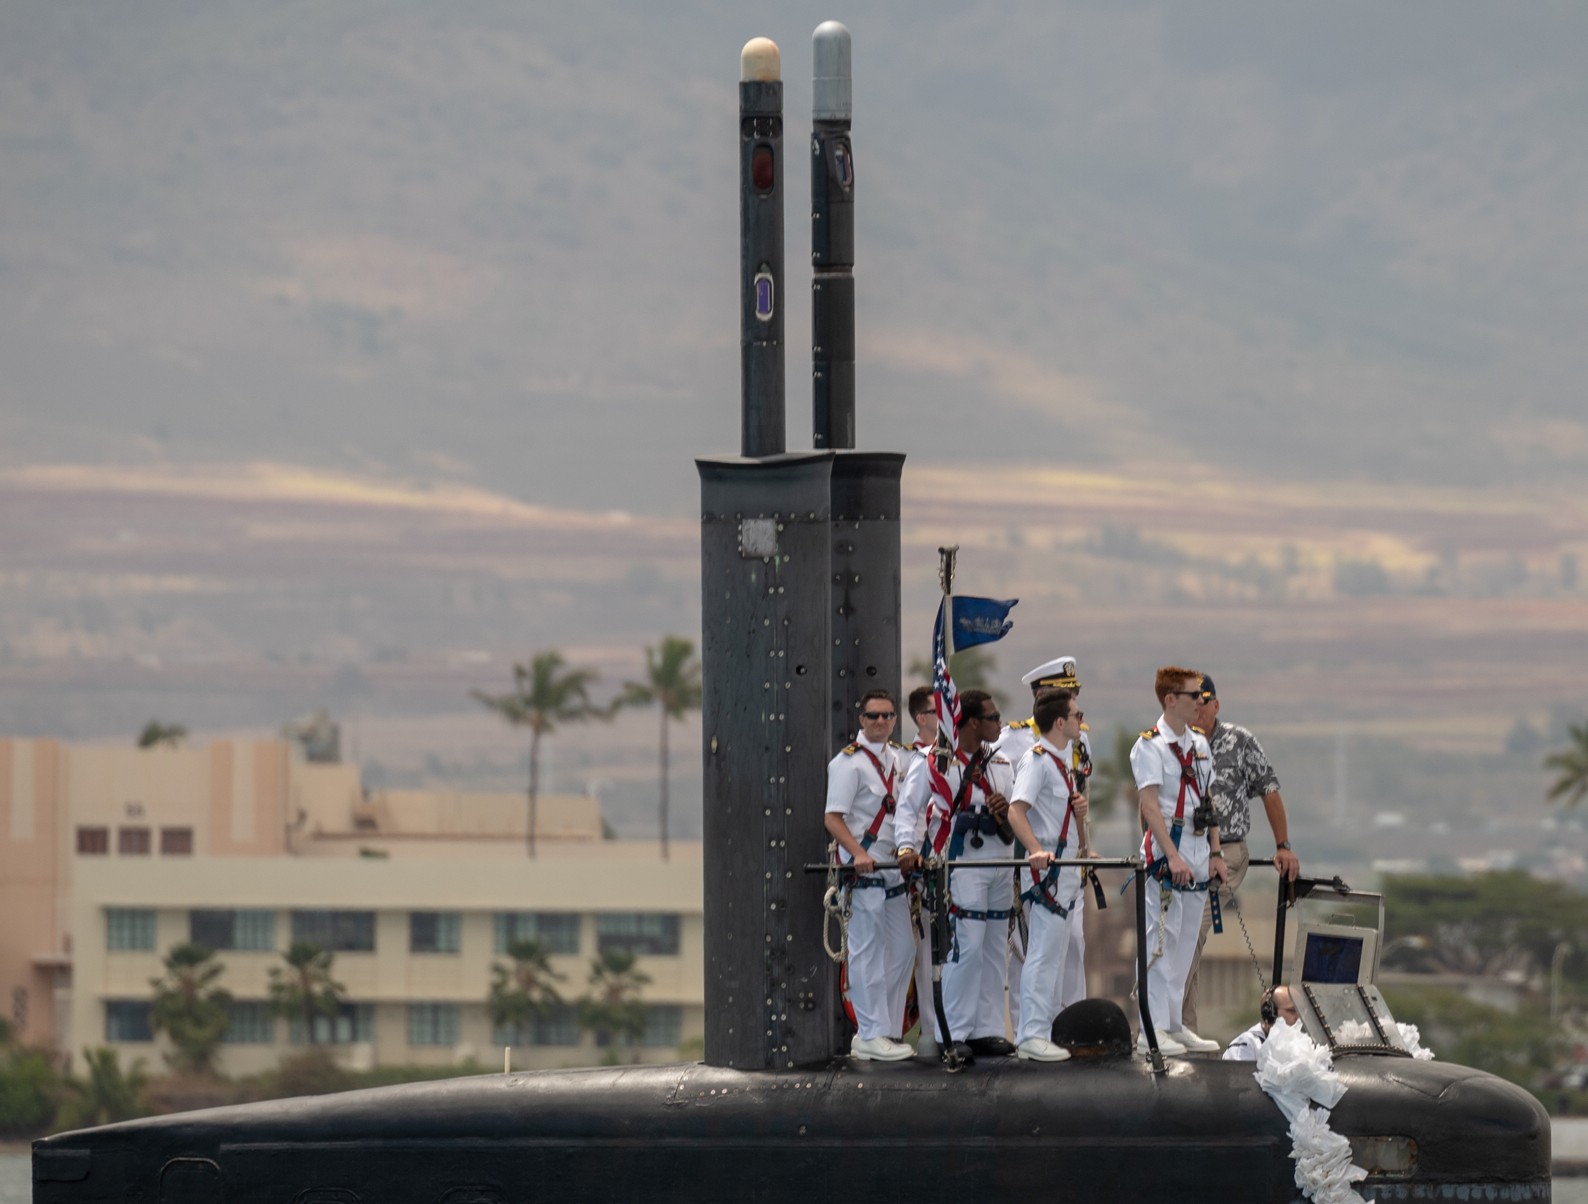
(1041, 889)
(1158, 867)
(888, 807)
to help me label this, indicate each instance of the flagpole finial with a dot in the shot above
(945, 567)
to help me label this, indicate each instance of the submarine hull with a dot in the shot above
(694, 1134)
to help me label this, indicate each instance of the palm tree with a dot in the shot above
(1572, 765)
(304, 988)
(523, 991)
(672, 675)
(189, 1008)
(543, 696)
(107, 1095)
(612, 1011)
(156, 733)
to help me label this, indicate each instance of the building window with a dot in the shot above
(352, 1022)
(432, 1024)
(559, 1026)
(132, 842)
(339, 931)
(249, 1024)
(433, 932)
(128, 928)
(127, 1020)
(93, 842)
(642, 932)
(664, 1025)
(557, 932)
(176, 842)
(248, 930)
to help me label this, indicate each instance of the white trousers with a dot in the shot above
(881, 954)
(1072, 987)
(1047, 949)
(1167, 971)
(973, 980)
(923, 980)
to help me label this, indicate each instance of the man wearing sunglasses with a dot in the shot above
(1173, 769)
(862, 785)
(923, 713)
(1242, 773)
(1061, 673)
(970, 788)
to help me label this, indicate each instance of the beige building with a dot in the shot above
(111, 855)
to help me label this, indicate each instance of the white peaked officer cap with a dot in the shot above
(1060, 672)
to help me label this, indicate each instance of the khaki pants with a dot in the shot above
(1237, 859)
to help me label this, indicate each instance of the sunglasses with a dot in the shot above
(877, 714)
(1187, 693)
(995, 717)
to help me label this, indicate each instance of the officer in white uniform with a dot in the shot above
(1061, 673)
(971, 790)
(1173, 769)
(1044, 814)
(862, 784)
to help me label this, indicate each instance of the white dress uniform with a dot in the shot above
(1244, 1048)
(862, 782)
(973, 975)
(1044, 780)
(1016, 740)
(933, 836)
(1182, 769)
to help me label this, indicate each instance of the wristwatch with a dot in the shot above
(1283, 844)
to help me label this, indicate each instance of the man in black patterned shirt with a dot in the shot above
(1241, 773)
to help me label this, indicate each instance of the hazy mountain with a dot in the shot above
(496, 242)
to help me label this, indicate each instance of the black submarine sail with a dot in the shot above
(800, 577)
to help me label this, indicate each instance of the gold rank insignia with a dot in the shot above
(851, 749)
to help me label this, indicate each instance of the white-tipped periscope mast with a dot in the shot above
(760, 62)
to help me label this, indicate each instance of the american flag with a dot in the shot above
(944, 694)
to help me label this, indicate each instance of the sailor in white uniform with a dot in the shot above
(970, 790)
(1045, 810)
(923, 713)
(1276, 1005)
(1173, 769)
(1061, 673)
(862, 784)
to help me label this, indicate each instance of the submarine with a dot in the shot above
(800, 574)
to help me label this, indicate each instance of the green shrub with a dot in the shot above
(28, 1089)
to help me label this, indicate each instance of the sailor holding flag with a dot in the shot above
(954, 803)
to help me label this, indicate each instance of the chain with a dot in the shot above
(1235, 906)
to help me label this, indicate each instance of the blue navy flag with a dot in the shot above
(980, 621)
(944, 695)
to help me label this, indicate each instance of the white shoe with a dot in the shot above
(1038, 1049)
(1167, 1045)
(879, 1049)
(1193, 1042)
